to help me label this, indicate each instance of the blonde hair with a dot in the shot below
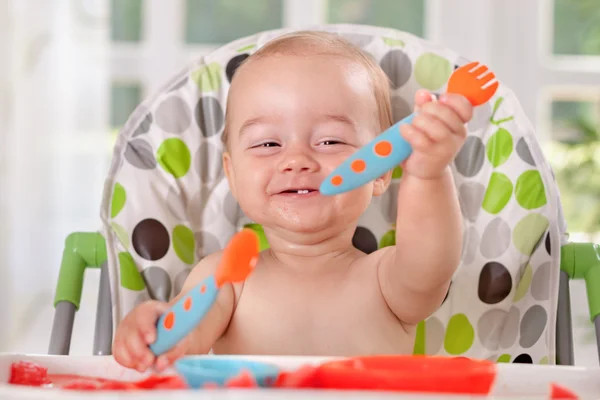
(303, 43)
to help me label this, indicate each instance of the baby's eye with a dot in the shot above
(330, 142)
(266, 144)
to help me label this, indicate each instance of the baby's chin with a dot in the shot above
(297, 221)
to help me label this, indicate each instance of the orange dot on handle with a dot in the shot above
(187, 304)
(336, 180)
(169, 321)
(358, 166)
(383, 148)
(203, 289)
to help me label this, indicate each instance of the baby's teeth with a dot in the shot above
(302, 191)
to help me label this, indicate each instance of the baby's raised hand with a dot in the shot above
(436, 134)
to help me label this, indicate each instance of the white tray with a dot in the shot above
(513, 380)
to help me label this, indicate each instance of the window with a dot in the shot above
(126, 20)
(217, 22)
(124, 98)
(576, 27)
(406, 15)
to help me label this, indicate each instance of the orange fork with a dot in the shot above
(470, 81)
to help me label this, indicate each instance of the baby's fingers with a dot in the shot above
(417, 139)
(121, 354)
(146, 321)
(139, 351)
(459, 104)
(167, 359)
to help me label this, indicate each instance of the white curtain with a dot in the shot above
(54, 147)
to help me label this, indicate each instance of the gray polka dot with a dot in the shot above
(540, 283)
(400, 108)
(434, 335)
(139, 154)
(470, 195)
(489, 328)
(208, 162)
(511, 328)
(173, 115)
(180, 280)
(470, 158)
(207, 243)
(176, 203)
(532, 326)
(495, 239)
(158, 283)
(358, 39)
(201, 210)
(397, 66)
(231, 209)
(144, 126)
(209, 116)
(481, 118)
(524, 152)
(470, 245)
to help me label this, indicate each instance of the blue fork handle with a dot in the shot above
(184, 316)
(366, 164)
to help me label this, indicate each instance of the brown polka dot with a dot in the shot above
(187, 304)
(169, 321)
(358, 166)
(495, 283)
(364, 240)
(150, 239)
(383, 148)
(336, 180)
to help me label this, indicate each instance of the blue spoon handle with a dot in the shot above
(370, 162)
(184, 316)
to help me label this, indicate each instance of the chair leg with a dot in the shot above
(104, 324)
(564, 327)
(62, 328)
(597, 324)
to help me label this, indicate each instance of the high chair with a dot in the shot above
(166, 205)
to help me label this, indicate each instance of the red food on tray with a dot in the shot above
(559, 392)
(397, 373)
(31, 374)
(28, 373)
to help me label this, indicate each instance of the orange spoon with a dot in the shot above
(237, 262)
(389, 149)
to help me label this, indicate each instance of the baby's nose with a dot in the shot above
(299, 162)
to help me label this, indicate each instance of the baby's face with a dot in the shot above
(293, 120)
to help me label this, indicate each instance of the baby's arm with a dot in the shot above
(217, 319)
(415, 275)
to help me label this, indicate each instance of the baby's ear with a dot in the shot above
(229, 174)
(381, 184)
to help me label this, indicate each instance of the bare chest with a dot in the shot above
(342, 318)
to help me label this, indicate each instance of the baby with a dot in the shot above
(296, 109)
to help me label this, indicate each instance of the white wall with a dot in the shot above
(53, 162)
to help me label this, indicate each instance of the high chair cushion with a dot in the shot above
(167, 204)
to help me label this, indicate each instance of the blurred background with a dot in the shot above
(71, 71)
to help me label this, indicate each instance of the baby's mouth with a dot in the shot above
(302, 191)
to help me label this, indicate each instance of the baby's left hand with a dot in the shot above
(436, 134)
